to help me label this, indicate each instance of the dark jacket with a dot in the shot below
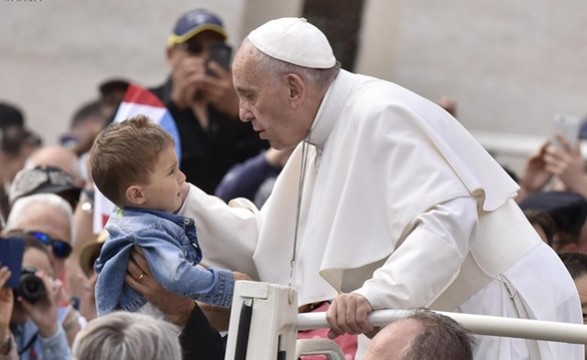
(199, 340)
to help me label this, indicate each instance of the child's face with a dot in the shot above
(163, 192)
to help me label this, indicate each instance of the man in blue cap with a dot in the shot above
(200, 96)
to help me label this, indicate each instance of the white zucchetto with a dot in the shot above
(294, 40)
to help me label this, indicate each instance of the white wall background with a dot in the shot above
(511, 65)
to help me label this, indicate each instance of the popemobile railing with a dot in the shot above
(265, 321)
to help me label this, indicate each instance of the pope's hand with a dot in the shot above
(348, 314)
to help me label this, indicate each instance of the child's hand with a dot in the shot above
(240, 276)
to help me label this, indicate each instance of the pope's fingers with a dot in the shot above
(349, 314)
(331, 318)
(342, 316)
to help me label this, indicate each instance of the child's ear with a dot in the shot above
(134, 195)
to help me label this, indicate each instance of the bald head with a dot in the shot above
(394, 341)
(58, 157)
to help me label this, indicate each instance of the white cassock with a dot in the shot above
(401, 205)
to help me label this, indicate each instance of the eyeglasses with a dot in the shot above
(61, 249)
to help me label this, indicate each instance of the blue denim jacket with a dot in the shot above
(171, 247)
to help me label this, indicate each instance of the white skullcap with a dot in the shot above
(294, 40)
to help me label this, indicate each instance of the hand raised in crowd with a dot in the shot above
(219, 90)
(44, 312)
(535, 175)
(6, 305)
(567, 164)
(348, 314)
(187, 77)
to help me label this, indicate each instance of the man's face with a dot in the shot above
(51, 221)
(265, 101)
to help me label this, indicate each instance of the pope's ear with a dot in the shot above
(134, 195)
(296, 87)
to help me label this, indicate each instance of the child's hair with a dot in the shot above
(125, 154)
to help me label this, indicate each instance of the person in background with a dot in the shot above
(568, 210)
(129, 336)
(56, 169)
(253, 179)
(86, 123)
(16, 144)
(112, 93)
(40, 328)
(88, 256)
(543, 223)
(201, 99)
(576, 263)
(7, 345)
(48, 218)
(422, 335)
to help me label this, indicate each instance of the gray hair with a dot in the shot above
(20, 206)
(320, 77)
(441, 338)
(129, 336)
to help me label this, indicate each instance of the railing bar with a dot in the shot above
(477, 324)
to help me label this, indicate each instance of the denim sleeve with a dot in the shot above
(175, 273)
(55, 347)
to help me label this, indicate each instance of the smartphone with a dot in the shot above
(11, 252)
(220, 53)
(567, 125)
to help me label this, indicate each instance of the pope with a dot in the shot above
(387, 202)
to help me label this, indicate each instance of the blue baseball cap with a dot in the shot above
(194, 22)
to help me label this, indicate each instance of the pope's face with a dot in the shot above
(265, 101)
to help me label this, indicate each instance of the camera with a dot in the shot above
(30, 287)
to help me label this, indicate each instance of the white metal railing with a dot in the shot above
(265, 321)
(477, 324)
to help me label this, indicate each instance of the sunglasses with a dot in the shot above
(192, 47)
(197, 47)
(61, 249)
